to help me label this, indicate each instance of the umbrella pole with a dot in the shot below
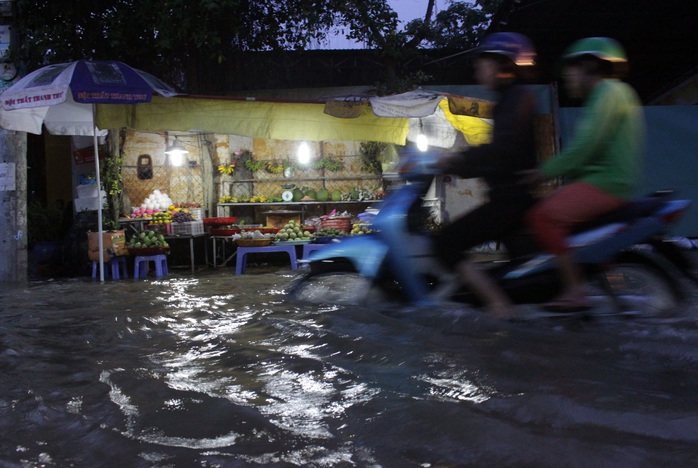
(99, 198)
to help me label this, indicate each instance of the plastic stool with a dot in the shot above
(242, 252)
(114, 263)
(307, 248)
(140, 267)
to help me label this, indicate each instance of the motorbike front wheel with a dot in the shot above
(639, 287)
(337, 287)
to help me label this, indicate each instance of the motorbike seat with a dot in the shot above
(522, 243)
(639, 208)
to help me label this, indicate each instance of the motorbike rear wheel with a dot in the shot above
(639, 286)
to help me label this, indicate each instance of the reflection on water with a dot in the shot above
(218, 370)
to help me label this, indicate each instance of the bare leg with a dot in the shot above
(574, 294)
(498, 304)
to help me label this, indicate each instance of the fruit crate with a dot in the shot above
(188, 228)
(197, 213)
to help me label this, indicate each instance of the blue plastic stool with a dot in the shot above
(114, 265)
(307, 248)
(242, 252)
(140, 267)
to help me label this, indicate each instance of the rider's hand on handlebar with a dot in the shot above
(418, 162)
(530, 177)
(445, 162)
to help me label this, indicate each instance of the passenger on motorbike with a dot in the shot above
(501, 62)
(602, 160)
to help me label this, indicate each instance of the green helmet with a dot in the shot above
(603, 48)
(607, 50)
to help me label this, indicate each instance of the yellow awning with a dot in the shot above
(476, 130)
(258, 119)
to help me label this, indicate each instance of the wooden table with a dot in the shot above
(190, 238)
(135, 224)
(214, 241)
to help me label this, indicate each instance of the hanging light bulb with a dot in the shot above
(422, 142)
(176, 152)
(303, 153)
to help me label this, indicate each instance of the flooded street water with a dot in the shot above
(218, 370)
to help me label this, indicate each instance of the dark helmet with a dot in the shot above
(604, 49)
(514, 46)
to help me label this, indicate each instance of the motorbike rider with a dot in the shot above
(503, 59)
(602, 160)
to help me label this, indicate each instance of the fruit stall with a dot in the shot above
(295, 163)
(299, 215)
(158, 223)
(256, 183)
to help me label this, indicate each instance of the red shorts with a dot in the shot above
(553, 218)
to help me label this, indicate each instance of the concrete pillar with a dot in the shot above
(13, 209)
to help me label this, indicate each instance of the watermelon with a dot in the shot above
(336, 195)
(323, 195)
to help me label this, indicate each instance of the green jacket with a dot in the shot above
(608, 143)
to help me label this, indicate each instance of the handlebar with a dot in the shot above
(414, 164)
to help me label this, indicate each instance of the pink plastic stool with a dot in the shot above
(114, 265)
(140, 267)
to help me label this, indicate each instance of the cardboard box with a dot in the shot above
(113, 243)
(278, 219)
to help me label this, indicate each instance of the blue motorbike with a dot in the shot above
(627, 258)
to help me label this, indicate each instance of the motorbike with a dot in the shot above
(631, 264)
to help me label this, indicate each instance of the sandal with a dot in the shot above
(567, 305)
